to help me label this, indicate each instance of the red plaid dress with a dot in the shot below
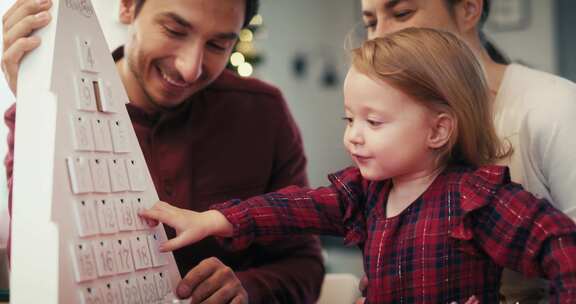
(449, 244)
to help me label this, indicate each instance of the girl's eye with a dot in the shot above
(348, 120)
(374, 123)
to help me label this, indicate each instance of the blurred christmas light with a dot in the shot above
(246, 35)
(245, 56)
(237, 59)
(245, 48)
(256, 20)
(245, 69)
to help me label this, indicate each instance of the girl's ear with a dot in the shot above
(126, 13)
(441, 130)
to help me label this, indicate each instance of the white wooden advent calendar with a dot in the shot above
(80, 177)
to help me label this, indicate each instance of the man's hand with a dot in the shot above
(190, 226)
(212, 282)
(18, 23)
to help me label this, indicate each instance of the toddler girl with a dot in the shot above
(435, 222)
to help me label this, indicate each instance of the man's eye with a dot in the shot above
(217, 46)
(403, 14)
(173, 33)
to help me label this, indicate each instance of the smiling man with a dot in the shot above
(207, 136)
(176, 48)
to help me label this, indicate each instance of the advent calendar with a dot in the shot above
(80, 177)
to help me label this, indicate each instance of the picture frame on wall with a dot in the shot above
(509, 15)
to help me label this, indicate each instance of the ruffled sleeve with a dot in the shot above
(499, 219)
(351, 188)
(475, 190)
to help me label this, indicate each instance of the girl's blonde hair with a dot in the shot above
(440, 71)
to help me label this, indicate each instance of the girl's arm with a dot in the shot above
(334, 210)
(190, 226)
(279, 215)
(529, 235)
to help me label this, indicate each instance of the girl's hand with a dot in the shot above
(190, 226)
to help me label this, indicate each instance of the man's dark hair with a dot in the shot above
(251, 9)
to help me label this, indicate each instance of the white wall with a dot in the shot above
(107, 12)
(536, 44)
(315, 28)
